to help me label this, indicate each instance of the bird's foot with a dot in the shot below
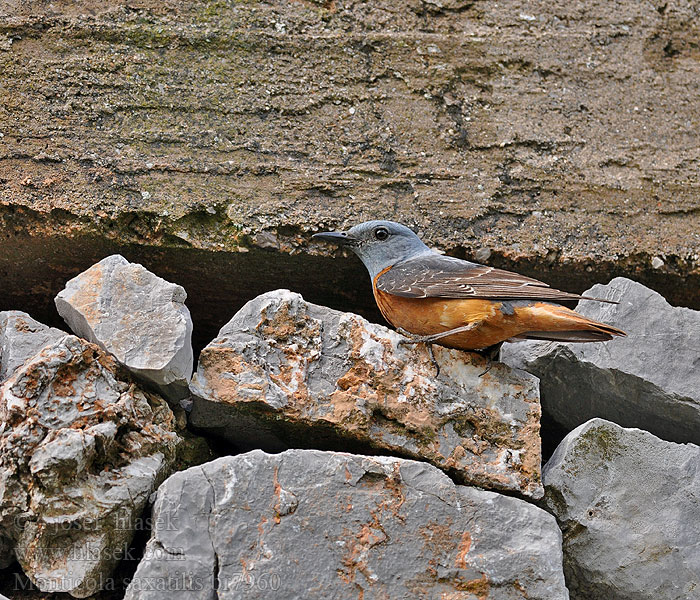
(492, 354)
(417, 339)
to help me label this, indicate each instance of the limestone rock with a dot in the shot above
(137, 316)
(81, 450)
(317, 525)
(21, 337)
(628, 504)
(650, 379)
(286, 373)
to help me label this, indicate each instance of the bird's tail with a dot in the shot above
(562, 324)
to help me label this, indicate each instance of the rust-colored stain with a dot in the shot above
(464, 546)
(23, 326)
(261, 526)
(372, 533)
(479, 587)
(276, 490)
(86, 299)
(358, 546)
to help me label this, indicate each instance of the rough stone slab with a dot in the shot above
(628, 504)
(137, 316)
(21, 337)
(650, 379)
(286, 373)
(307, 524)
(81, 450)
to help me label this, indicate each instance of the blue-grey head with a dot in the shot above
(379, 244)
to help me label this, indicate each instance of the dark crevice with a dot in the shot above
(34, 269)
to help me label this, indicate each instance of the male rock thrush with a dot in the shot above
(457, 303)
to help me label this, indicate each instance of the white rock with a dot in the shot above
(137, 316)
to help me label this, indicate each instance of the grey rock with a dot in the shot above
(285, 373)
(307, 524)
(21, 337)
(628, 504)
(649, 379)
(81, 450)
(137, 316)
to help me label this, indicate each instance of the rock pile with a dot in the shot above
(87, 435)
(81, 450)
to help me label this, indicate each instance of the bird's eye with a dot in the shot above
(381, 233)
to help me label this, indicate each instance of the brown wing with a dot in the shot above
(437, 276)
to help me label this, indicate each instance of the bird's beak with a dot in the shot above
(340, 238)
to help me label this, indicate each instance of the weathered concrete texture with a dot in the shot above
(21, 337)
(286, 373)
(628, 504)
(563, 132)
(311, 524)
(81, 450)
(650, 379)
(137, 316)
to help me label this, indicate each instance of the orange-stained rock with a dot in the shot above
(81, 450)
(286, 373)
(319, 525)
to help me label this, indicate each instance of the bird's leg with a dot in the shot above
(428, 339)
(492, 354)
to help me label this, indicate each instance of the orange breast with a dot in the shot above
(426, 316)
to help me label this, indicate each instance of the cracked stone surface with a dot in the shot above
(137, 316)
(628, 504)
(81, 450)
(649, 379)
(317, 525)
(21, 337)
(285, 373)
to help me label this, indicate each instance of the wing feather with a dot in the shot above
(437, 276)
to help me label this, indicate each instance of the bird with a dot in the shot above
(434, 298)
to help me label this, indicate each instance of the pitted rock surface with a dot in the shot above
(307, 524)
(137, 316)
(628, 504)
(649, 379)
(286, 373)
(81, 450)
